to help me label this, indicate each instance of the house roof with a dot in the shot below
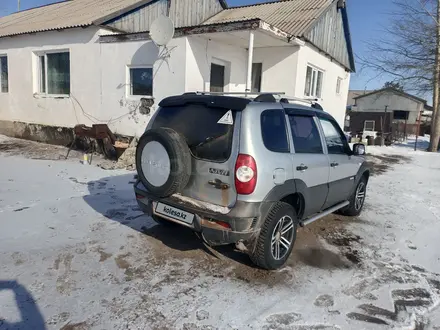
(63, 15)
(291, 16)
(294, 17)
(392, 90)
(352, 94)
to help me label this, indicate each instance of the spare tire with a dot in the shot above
(163, 161)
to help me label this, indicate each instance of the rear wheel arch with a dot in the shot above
(292, 193)
(297, 201)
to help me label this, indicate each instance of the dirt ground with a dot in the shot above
(309, 248)
(92, 244)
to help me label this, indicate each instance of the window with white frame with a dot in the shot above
(54, 73)
(369, 125)
(4, 88)
(338, 85)
(141, 80)
(314, 78)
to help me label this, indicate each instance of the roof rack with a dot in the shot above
(277, 96)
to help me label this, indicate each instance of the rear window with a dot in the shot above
(206, 137)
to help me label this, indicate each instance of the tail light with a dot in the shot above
(245, 174)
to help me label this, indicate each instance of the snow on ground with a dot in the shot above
(76, 253)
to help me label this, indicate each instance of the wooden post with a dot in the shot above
(419, 119)
(382, 136)
(250, 61)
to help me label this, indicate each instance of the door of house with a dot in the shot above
(217, 78)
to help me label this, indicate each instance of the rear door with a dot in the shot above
(212, 136)
(343, 166)
(310, 164)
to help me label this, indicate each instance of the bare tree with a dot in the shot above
(394, 84)
(409, 52)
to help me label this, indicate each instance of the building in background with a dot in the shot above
(389, 111)
(93, 61)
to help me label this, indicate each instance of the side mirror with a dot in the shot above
(359, 149)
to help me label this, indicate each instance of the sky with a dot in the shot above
(367, 20)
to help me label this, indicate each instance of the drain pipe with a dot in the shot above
(250, 60)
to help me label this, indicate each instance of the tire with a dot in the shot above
(354, 208)
(169, 162)
(265, 253)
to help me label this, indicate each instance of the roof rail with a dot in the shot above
(257, 96)
(279, 96)
(239, 93)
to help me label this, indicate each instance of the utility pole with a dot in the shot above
(18, 5)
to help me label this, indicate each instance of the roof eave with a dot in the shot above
(344, 13)
(348, 36)
(394, 90)
(10, 35)
(252, 24)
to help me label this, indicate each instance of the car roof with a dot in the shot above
(237, 103)
(216, 101)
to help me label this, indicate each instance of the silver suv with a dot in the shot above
(248, 172)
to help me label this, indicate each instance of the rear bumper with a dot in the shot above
(243, 218)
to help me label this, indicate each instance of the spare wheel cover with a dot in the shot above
(156, 163)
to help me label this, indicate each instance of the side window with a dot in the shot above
(141, 81)
(4, 84)
(305, 135)
(336, 142)
(273, 130)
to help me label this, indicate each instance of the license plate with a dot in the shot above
(174, 213)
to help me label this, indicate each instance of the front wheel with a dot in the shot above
(357, 200)
(277, 237)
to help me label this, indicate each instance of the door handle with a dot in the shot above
(218, 184)
(334, 164)
(302, 168)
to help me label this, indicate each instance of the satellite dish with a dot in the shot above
(162, 30)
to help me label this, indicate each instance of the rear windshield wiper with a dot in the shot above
(207, 140)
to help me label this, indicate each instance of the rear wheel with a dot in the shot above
(163, 161)
(277, 237)
(357, 199)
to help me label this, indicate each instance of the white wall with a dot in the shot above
(168, 79)
(99, 76)
(201, 52)
(333, 103)
(20, 104)
(395, 102)
(279, 68)
(98, 80)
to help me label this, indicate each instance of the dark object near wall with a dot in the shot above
(401, 115)
(57, 135)
(145, 107)
(101, 134)
(357, 120)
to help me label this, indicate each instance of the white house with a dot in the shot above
(91, 61)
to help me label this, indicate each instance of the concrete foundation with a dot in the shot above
(35, 132)
(46, 134)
